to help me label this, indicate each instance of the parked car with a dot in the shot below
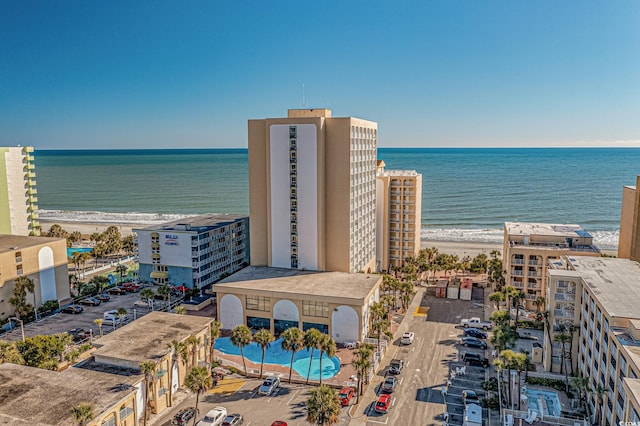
(473, 358)
(72, 309)
(141, 304)
(407, 338)
(79, 334)
(470, 397)
(474, 332)
(389, 384)
(102, 297)
(233, 420)
(476, 323)
(130, 287)
(395, 366)
(90, 301)
(473, 342)
(279, 423)
(526, 335)
(269, 385)
(346, 396)
(214, 417)
(184, 416)
(383, 404)
(116, 290)
(112, 317)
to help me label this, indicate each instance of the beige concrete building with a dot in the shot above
(42, 259)
(629, 241)
(398, 215)
(530, 247)
(18, 194)
(599, 297)
(312, 192)
(335, 303)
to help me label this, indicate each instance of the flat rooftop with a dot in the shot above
(33, 396)
(550, 229)
(147, 337)
(195, 223)
(17, 242)
(392, 173)
(297, 284)
(614, 282)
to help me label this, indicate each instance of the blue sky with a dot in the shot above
(180, 74)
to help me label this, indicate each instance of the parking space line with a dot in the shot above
(292, 396)
(380, 423)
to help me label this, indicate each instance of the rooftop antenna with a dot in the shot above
(304, 105)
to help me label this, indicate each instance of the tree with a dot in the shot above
(516, 298)
(9, 353)
(327, 346)
(214, 333)
(128, 245)
(165, 291)
(241, 337)
(323, 406)
(497, 297)
(197, 381)
(148, 369)
(362, 363)
(379, 322)
(581, 385)
(563, 338)
(98, 322)
(146, 294)
(56, 231)
(193, 344)
(509, 292)
(598, 392)
(100, 281)
(263, 338)
(291, 341)
(180, 310)
(82, 413)
(44, 351)
(509, 360)
(520, 364)
(178, 351)
(122, 312)
(122, 270)
(310, 342)
(539, 303)
(22, 285)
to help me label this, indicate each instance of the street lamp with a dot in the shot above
(21, 325)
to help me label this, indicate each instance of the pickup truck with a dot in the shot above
(476, 323)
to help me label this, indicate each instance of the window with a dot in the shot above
(125, 411)
(312, 308)
(258, 303)
(110, 421)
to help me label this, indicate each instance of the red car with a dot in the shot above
(346, 396)
(279, 423)
(383, 404)
(130, 287)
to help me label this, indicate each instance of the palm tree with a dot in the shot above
(22, 285)
(122, 312)
(100, 281)
(326, 345)
(165, 291)
(178, 353)
(310, 342)
(197, 381)
(263, 338)
(539, 303)
(572, 330)
(98, 322)
(520, 364)
(291, 341)
(516, 298)
(193, 342)
(121, 269)
(508, 358)
(323, 406)
(82, 413)
(146, 294)
(241, 337)
(599, 392)
(497, 297)
(148, 369)
(581, 384)
(379, 323)
(214, 333)
(563, 338)
(509, 292)
(362, 363)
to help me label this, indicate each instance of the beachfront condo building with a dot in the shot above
(629, 242)
(312, 192)
(18, 194)
(194, 252)
(42, 260)
(398, 216)
(594, 300)
(530, 247)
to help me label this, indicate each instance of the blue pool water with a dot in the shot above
(72, 250)
(550, 398)
(275, 355)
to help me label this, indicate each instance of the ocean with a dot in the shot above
(468, 193)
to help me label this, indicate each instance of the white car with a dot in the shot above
(213, 417)
(141, 304)
(407, 338)
(269, 385)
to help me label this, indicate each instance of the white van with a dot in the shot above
(111, 317)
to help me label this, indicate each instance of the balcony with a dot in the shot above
(517, 261)
(30, 175)
(33, 216)
(31, 191)
(562, 313)
(517, 273)
(565, 297)
(32, 199)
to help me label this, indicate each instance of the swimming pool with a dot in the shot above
(72, 250)
(551, 400)
(275, 355)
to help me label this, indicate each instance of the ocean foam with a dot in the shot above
(133, 218)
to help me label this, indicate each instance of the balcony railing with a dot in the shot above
(517, 262)
(517, 273)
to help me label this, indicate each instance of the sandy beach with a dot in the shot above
(88, 228)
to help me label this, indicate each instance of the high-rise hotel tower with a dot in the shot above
(312, 192)
(18, 192)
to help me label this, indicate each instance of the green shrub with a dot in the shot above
(491, 402)
(552, 383)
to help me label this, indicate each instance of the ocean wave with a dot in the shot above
(133, 218)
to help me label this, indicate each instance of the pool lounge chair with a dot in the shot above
(532, 417)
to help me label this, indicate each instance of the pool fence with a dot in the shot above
(551, 420)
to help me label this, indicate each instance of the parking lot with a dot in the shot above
(62, 322)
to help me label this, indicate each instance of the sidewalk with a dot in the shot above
(370, 396)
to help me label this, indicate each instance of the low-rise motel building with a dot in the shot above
(530, 247)
(43, 260)
(597, 298)
(336, 303)
(111, 380)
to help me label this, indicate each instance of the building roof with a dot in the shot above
(392, 173)
(614, 282)
(147, 337)
(549, 229)
(196, 223)
(17, 242)
(33, 396)
(297, 284)
(634, 388)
